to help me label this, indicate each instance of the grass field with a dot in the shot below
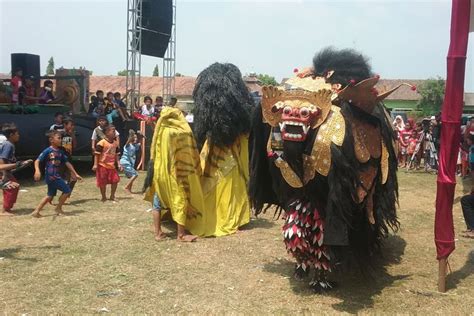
(103, 258)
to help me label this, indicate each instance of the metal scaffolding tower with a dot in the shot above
(134, 56)
(169, 62)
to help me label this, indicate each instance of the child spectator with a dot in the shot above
(27, 93)
(96, 107)
(403, 142)
(120, 106)
(412, 142)
(127, 161)
(110, 111)
(7, 156)
(53, 158)
(46, 95)
(98, 133)
(16, 84)
(68, 143)
(106, 156)
(148, 109)
(58, 122)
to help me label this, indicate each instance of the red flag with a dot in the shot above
(450, 130)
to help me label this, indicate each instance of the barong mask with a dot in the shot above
(305, 104)
(296, 111)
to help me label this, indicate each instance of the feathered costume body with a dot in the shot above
(206, 193)
(326, 145)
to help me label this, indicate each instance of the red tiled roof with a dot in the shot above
(153, 86)
(148, 85)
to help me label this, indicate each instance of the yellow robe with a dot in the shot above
(217, 197)
(224, 184)
(177, 169)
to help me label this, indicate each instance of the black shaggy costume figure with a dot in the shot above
(221, 117)
(338, 214)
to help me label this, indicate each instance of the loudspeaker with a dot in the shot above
(157, 21)
(30, 64)
(157, 15)
(154, 44)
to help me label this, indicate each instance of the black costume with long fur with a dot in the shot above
(338, 223)
(221, 117)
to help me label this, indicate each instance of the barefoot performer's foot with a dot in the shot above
(36, 214)
(161, 237)
(6, 213)
(187, 238)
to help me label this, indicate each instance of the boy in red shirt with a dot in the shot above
(105, 159)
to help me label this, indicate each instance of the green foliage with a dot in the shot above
(156, 71)
(432, 96)
(50, 68)
(267, 80)
(178, 74)
(122, 72)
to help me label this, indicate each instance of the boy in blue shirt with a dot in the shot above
(54, 158)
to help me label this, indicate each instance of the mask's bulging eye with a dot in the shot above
(304, 112)
(287, 110)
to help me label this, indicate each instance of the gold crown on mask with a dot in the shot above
(312, 93)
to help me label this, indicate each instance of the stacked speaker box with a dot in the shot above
(28, 63)
(157, 21)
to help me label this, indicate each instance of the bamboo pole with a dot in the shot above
(442, 264)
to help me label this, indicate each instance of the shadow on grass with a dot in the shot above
(456, 277)
(23, 211)
(259, 223)
(356, 289)
(80, 201)
(12, 253)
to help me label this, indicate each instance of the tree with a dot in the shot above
(122, 72)
(178, 74)
(50, 68)
(156, 71)
(432, 95)
(267, 80)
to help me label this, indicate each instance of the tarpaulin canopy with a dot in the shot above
(451, 127)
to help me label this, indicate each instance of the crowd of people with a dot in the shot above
(418, 141)
(22, 90)
(421, 140)
(55, 161)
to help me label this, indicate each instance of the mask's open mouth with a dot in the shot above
(293, 131)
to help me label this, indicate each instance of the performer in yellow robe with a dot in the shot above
(207, 195)
(221, 125)
(176, 173)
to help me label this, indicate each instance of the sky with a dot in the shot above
(403, 39)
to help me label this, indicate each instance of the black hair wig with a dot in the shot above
(347, 64)
(222, 105)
